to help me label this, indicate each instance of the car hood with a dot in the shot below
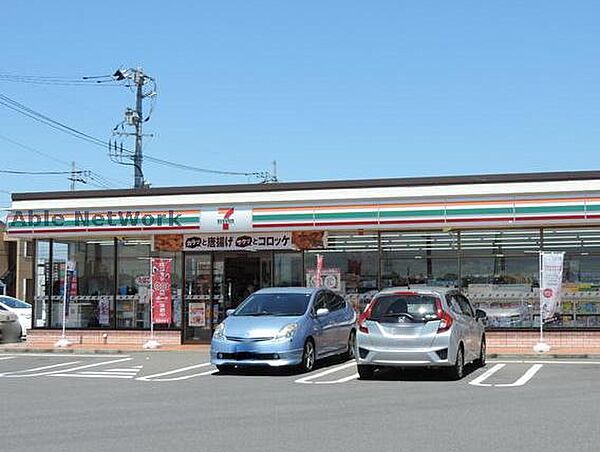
(256, 327)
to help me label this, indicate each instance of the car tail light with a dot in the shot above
(445, 318)
(365, 316)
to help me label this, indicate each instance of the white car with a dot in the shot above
(21, 308)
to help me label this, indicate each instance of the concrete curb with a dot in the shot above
(112, 351)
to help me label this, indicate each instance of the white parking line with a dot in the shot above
(66, 355)
(3, 358)
(524, 378)
(308, 379)
(39, 374)
(528, 375)
(153, 377)
(35, 369)
(487, 374)
(92, 376)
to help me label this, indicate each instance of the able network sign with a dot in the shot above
(226, 219)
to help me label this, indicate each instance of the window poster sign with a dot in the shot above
(239, 242)
(197, 314)
(331, 278)
(161, 290)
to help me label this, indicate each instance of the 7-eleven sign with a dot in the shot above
(226, 219)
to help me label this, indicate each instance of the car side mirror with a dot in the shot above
(480, 314)
(229, 312)
(322, 311)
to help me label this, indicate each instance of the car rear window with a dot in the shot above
(388, 308)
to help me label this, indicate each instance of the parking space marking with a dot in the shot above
(118, 372)
(154, 377)
(478, 381)
(3, 358)
(524, 378)
(308, 379)
(39, 374)
(66, 355)
(35, 369)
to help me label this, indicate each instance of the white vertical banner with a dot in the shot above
(551, 271)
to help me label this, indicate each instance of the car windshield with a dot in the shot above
(275, 304)
(14, 303)
(415, 307)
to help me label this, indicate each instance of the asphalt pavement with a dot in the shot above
(155, 401)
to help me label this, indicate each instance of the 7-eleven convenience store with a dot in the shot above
(480, 233)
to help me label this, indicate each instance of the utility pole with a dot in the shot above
(138, 176)
(73, 176)
(133, 118)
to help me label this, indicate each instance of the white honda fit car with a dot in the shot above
(425, 326)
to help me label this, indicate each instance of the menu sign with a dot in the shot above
(238, 242)
(161, 290)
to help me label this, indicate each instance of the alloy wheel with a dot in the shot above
(308, 357)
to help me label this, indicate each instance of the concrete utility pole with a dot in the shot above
(138, 175)
(133, 118)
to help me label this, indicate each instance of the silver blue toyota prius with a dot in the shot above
(292, 326)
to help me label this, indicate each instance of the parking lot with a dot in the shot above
(155, 400)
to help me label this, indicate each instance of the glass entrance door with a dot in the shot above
(197, 308)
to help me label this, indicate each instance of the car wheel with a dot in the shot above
(225, 369)
(365, 372)
(456, 372)
(350, 354)
(480, 362)
(309, 356)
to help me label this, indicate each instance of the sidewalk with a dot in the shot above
(493, 352)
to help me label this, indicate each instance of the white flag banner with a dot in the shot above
(551, 271)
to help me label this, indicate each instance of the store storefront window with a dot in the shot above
(90, 290)
(419, 258)
(133, 284)
(500, 272)
(581, 275)
(288, 270)
(350, 266)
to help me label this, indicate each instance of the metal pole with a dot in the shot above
(540, 297)
(137, 158)
(151, 305)
(64, 313)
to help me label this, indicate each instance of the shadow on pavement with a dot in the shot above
(266, 371)
(418, 374)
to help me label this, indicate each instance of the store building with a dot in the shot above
(481, 233)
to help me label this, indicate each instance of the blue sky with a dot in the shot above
(331, 90)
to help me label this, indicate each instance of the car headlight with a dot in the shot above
(219, 331)
(287, 331)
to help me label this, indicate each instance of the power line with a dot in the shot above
(58, 80)
(105, 180)
(46, 120)
(36, 173)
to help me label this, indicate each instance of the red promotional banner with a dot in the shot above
(161, 290)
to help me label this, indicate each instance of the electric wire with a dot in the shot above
(39, 117)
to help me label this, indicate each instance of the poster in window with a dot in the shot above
(197, 314)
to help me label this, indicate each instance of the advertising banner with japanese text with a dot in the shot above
(551, 271)
(161, 290)
(238, 242)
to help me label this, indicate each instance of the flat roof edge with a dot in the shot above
(315, 185)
